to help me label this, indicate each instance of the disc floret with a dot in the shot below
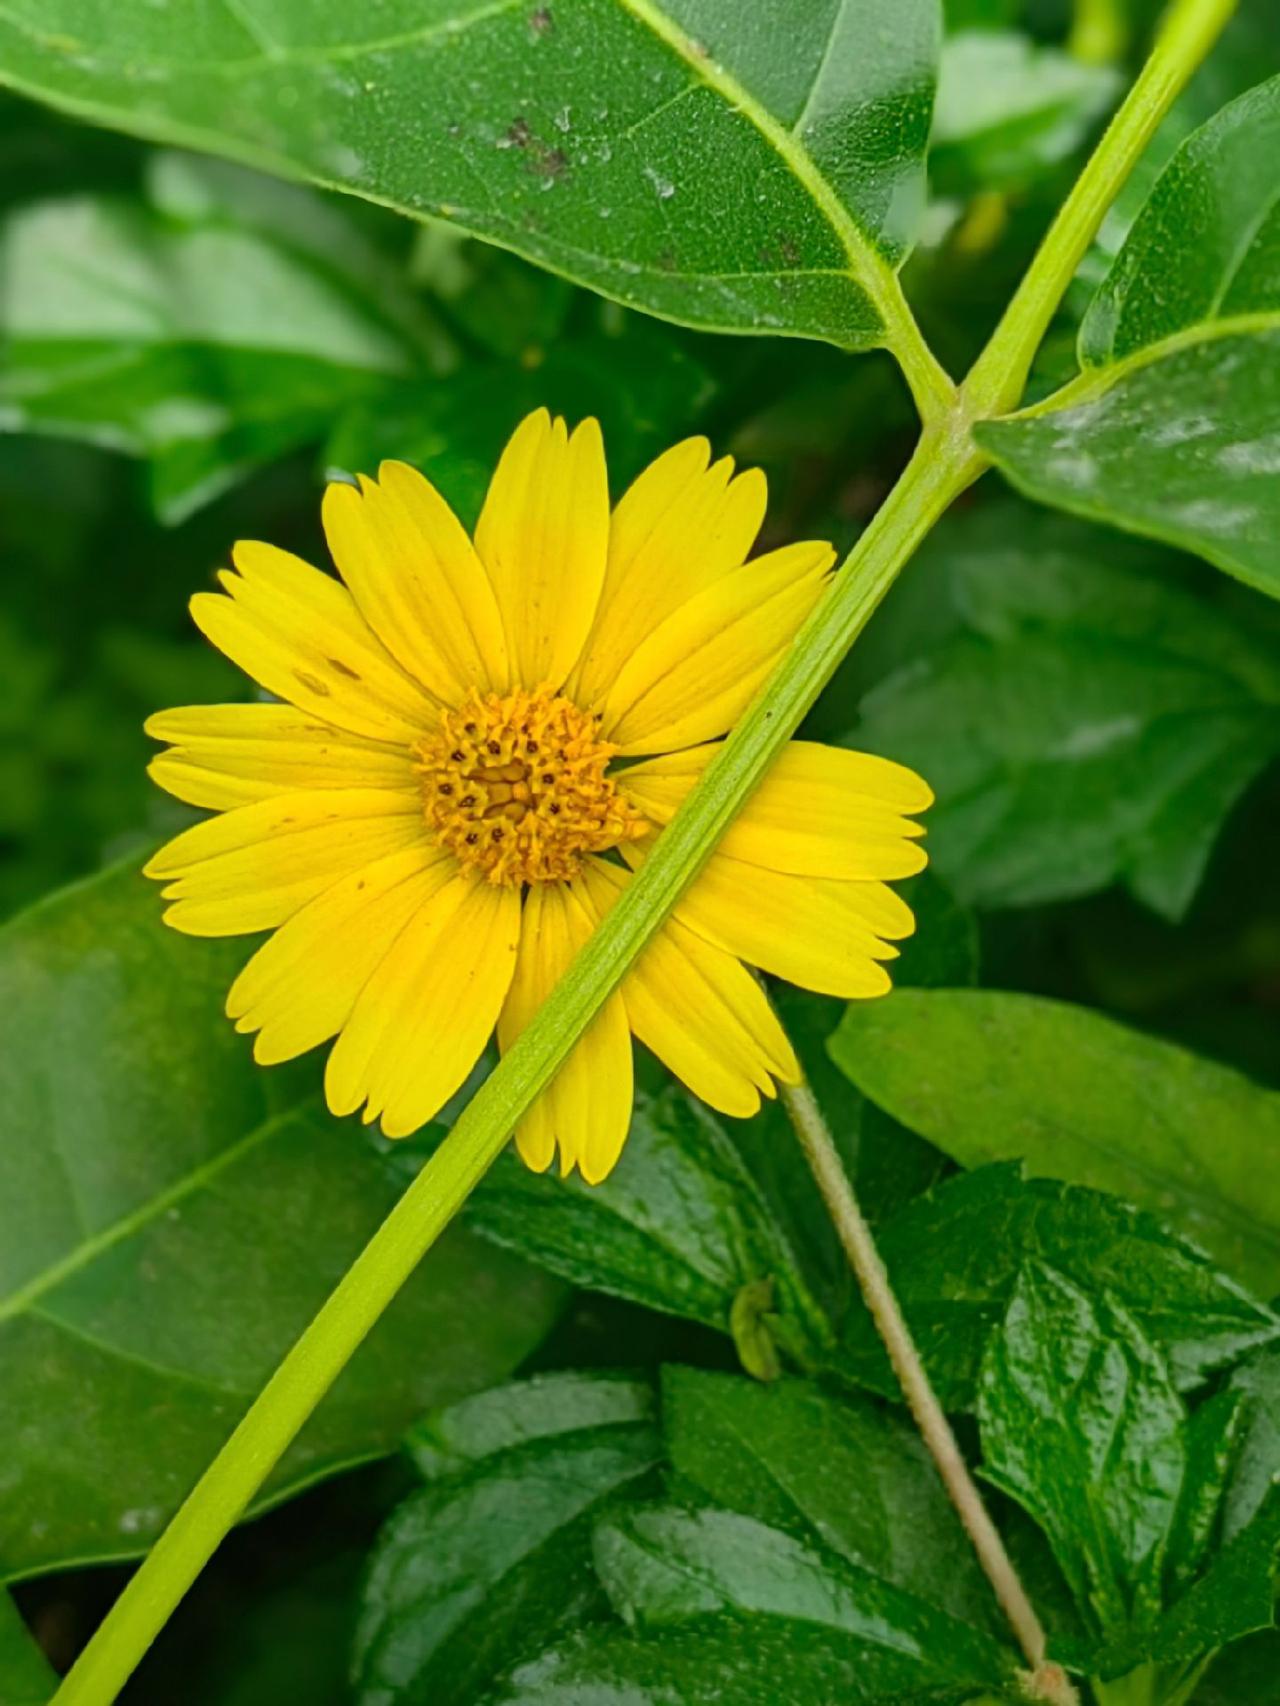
(517, 786)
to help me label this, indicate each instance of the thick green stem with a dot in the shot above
(1189, 31)
(941, 468)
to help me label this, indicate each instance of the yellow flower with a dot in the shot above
(434, 817)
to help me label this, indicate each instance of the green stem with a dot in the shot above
(941, 468)
(1045, 1681)
(1189, 31)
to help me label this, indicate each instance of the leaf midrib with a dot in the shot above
(87, 1252)
(1094, 382)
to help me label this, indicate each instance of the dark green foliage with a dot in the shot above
(700, 1487)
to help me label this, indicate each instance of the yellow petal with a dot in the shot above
(816, 932)
(821, 811)
(586, 1109)
(678, 528)
(543, 535)
(251, 868)
(299, 634)
(694, 675)
(229, 755)
(299, 988)
(417, 580)
(420, 1022)
(700, 1010)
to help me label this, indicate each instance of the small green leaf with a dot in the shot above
(954, 1257)
(667, 1568)
(1171, 428)
(995, 1077)
(665, 154)
(493, 1560)
(26, 1676)
(1081, 1425)
(153, 1180)
(1008, 109)
(846, 1474)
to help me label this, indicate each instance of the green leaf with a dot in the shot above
(1081, 1425)
(1008, 109)
(178, 332)
(678, 1226)
(954, 1257)
(26, 1676)
(1087, 721)
(1170, 430)
(848, 1475)
(665, 154)
(995, 1077)
(1244, 1674)
(170, 1218)
(1234, 1597)
(1257, 1462)
(718, 1662)
(487, 1565)
(666, 1568)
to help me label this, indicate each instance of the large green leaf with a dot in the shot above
(665, 152)
(170, 1218)
(1084, 719)
(955, 1255)
(492, 1561)
(26, 1676)
(995, 1077)
(201, 329)
(850, 1475)
(1171, 428)
(668, 1569)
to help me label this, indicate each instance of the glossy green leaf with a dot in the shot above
(668, 1568)
(848, 1474)
(661, 151)
(1008, 109)
(489, 1563)
(954, 1258)
(1171, 428)
(1257, 1462)
(1234, 1597)
(995, 1077)
(172, 1217)
(1081, 1425)
(713, 1663)
(678, 1226)
(26, 1677)
(1084, 720)
(1243, 1674)
(197, 330)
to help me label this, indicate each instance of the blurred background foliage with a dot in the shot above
(187, 349)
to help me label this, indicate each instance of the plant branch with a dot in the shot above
(1046, 1681)
(1190, 29)
(942, 467)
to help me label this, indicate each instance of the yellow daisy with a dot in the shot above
(474, 745)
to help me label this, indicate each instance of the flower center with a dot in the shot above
(516, 787)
